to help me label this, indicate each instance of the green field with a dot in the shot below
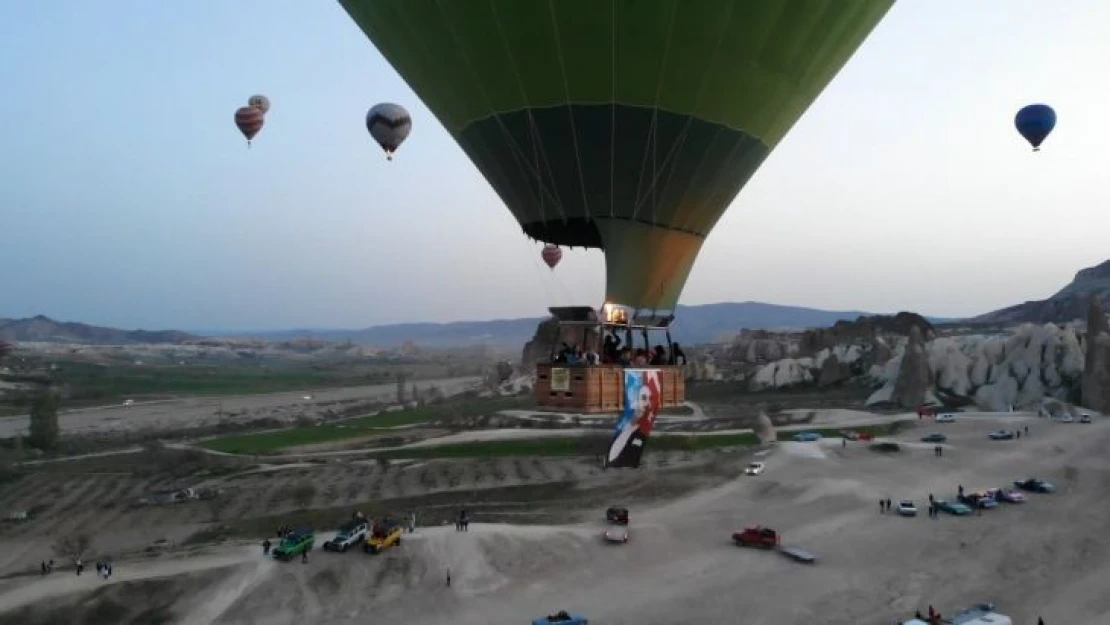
(276, 440)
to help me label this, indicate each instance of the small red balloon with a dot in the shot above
(551, 255)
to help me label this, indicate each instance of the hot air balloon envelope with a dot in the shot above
(389, 125)
(551, 255)
(249, 120)
(624, 125)
(1035, 122)
(259, 102)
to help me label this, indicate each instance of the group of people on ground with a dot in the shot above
(612, 353)
(104, 569)
(462, 523)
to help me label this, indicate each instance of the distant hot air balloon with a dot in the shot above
(619, 125)
(389, 125)
(551, 255)
(249, 120)
(1035, 122)
(259, 102)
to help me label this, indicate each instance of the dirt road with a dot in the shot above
(194, 411)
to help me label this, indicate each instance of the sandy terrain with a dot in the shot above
(193, 411)
(1044, 558)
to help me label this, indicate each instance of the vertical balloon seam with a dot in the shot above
(570, 109)
(532, 134)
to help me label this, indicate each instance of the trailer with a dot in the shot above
(798, 554)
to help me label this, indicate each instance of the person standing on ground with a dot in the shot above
(79, 565)
(448, 577)
(266, 547)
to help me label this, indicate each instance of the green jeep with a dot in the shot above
(294, 544)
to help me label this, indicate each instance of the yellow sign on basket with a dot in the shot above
(560, 379)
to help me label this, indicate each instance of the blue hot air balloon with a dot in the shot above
(1034, 122)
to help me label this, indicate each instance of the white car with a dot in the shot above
(616, 534)
(907, 508)
(1086, 418)
(946, 418)
(1067, 419)
(754, 468)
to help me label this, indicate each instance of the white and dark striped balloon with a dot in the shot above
(259, 102)
(389, 124)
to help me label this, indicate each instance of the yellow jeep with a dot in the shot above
(385, 534)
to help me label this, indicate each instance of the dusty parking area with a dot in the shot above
(1046, 557)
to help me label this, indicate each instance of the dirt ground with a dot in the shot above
(1046, 557)
(172, 414)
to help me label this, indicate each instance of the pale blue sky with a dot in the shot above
(128, 198)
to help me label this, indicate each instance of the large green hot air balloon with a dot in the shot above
(625, 125)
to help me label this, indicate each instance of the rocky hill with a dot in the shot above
(43, 329)
(1068, 304)
(904, 361)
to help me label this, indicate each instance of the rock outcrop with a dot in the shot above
(764, 429)
(1015, 369)
(915, 376)
(548, 336)
(1096, 370)
(1021, 367)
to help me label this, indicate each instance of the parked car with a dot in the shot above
(1086, 418)
(617, 514)
(563, 618)
(754, 468)
(1007, 495)
(1001, 435)
(1032, 484)
(350, 534)
(1066, 419)
(907, 508)
(935, 437)
(807, 437)
(616, 534)
(946, 418)
(978, 500)
(952, 507)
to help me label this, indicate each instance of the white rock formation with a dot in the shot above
(1001, 371)
(1017, 368)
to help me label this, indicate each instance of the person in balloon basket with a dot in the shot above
(642, 403)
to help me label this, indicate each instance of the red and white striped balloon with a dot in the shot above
(249, 119)
(551, 255)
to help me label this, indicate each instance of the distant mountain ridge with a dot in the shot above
(46, 330)
(695, 324)
(1067, 304)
